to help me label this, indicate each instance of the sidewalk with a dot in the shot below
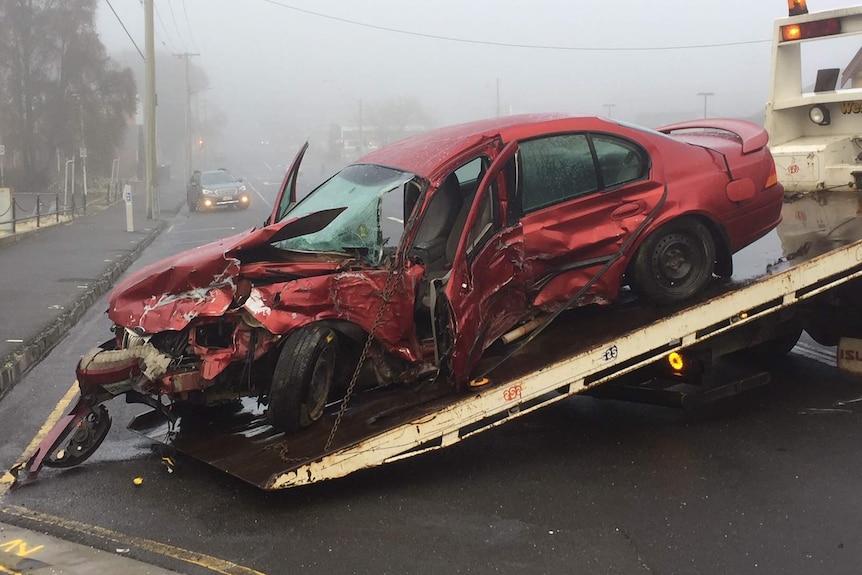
(24, 551)
(51, 276)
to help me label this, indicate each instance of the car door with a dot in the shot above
(578, 206)
(486, 288)
(286, 198)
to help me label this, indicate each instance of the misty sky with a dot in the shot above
(270, 65)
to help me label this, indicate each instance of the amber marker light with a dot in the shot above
(675, 360)
(792, 32)
(796, 7)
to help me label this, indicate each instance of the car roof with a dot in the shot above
(428, 153)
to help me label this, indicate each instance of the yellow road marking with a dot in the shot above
(21, 545)
(7, 480)
(214, 564)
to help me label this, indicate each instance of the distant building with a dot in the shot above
(354, 142)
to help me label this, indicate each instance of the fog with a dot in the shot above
(282, 71)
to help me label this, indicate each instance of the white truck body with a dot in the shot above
(826, 155)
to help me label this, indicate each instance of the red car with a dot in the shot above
(421, 255)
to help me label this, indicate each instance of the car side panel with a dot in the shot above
(579, 235)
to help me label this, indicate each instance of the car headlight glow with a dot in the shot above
(819, 115)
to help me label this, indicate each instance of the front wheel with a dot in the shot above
(302, 378)
(80, 441)
(674, 263)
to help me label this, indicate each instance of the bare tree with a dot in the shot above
(59, 90)
(397, 118)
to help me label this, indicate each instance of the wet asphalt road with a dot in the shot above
(763, 483)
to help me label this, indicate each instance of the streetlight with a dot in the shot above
(609, 107)
(705, 96)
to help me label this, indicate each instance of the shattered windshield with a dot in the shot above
(374, 218)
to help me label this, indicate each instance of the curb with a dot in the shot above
(16, 364)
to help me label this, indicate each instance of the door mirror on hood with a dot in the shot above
(287, 196)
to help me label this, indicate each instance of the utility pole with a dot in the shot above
(83, 149)
(185, 57)
(705, 96)
(150, 105)
(498, 98)
(609, 107)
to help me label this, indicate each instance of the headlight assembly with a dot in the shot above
(819, 115)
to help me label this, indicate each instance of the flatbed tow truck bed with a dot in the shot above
(820, 243)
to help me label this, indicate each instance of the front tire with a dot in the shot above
(674, 263)
(81, 441)
(302, 378)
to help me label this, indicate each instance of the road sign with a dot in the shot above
(82, 152)
(2, 150)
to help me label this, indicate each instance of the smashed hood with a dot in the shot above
(168, 294)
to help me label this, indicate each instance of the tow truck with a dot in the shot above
(694, 353)
(813, 117)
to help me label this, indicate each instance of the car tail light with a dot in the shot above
(773, 177)
(814, 29)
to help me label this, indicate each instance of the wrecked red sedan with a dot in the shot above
(415, 260)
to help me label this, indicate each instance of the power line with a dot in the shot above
(179, 34)
(189, 26)
(126, 30)
(165, 29)
(511, 45)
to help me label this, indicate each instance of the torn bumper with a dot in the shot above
(103, 373)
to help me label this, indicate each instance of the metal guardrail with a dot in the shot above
(41, 207)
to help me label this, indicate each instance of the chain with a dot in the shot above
(391, 280)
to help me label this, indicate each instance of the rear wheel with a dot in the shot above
(675, 262)
(302, 378)
(778, 346)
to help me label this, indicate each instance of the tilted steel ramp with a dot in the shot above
(583, 348)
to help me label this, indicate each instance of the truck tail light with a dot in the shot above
(808, 30)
